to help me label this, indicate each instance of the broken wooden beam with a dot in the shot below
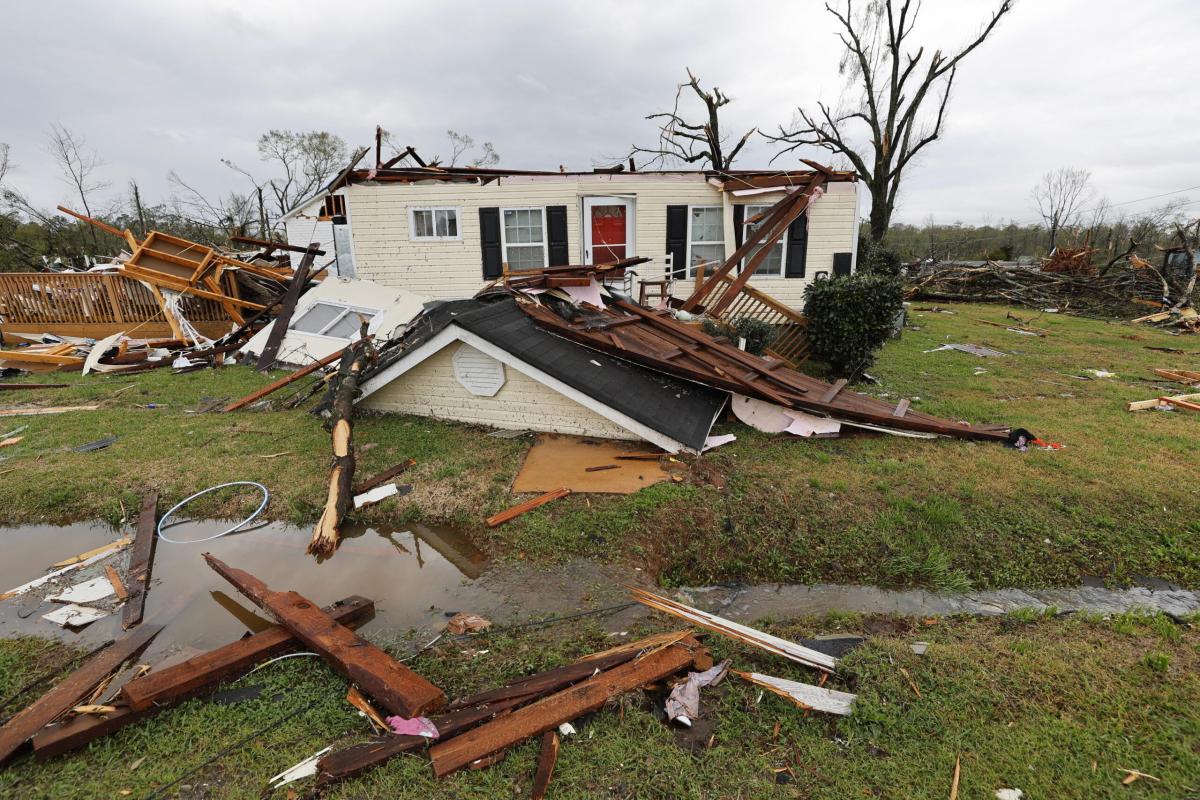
(548, 713)
(393, 685)
(902, 407)
(384, 477)
(528, 505)
(68, 692)
(145, 696)
(291, 377)
(547, 758)
(141, 559)
(287, 307)
(834, 390)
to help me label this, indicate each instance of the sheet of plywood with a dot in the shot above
(562, 461)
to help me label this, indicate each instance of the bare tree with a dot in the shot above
(306, 161)
(689, 142)
(230, 215)
(888, 84)
(461, 144)
(1060, 198)
(3, 161)
(78, 166)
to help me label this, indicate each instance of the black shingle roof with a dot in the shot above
(682, 410)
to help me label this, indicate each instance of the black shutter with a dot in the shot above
(489, 242)
(797, 248)
(677, 226)
(841, 263)
(556, 228)
(739, 225)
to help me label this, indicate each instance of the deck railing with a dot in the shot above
(28, 298)
(791, 327)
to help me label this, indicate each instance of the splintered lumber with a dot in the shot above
(393, 685)
(115, 579)
(473, 709)
(528, 505)
(287, 306)
(1179, 402)
(726, 627)
(814, 698)
(70, 691)
(111, 546)
(141, 558)
(547, 758)
(145, 696)
(340, 497)
(1142, 405)
(291, 377)
(548, 713)
(34, 411)
(384, 477)
(1178, 375)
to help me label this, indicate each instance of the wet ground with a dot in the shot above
(417, 576)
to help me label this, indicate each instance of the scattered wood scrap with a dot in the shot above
(151, 693)
(815, 698)
(141, 558)
(726, 627)
(68, 692)
(34, 411)
(548, 713)
(383, 477)
(547, 758)
(290, 378)
(1179, 375)
(528, 505)
(394, 686)
(1174, 400)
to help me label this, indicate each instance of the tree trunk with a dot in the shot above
(881, 215)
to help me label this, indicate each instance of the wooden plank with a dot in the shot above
(68, 692)
(393, 685)
(528, 505)
(284, 381)
(902, 408)
(834, 390)
(287, 307)
(547, 758)
(548, 713)
(141, 558)
(1180, 403)
(95, 551)
(1142, 405)
(117, 584)
(145, 696)
(384, 477)
(1178, 375)
(19, 387)
(38, 411)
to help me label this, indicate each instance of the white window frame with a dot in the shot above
(545, 235)
(346, 309)
(781, 244)
(691, 270)
(412, 224)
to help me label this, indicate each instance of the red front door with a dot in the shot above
(609, 233)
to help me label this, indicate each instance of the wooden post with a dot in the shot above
(287, 307)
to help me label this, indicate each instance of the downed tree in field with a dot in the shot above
(1113, 293)
(338, 405)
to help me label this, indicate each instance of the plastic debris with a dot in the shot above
(416, 726)
(305, 769)
(684, 703)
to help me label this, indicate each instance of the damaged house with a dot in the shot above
(445, 232)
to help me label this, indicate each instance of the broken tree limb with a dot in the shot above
(287, 307)
(548, 713)
(141, 559)
(68, 692)
(393, 685)
(547, 758)
(528, 505)
(145, 696)
(340, 497)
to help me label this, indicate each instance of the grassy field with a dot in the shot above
(1054, 707)
(1119, 500)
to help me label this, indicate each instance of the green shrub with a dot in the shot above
(876, 259)
(850, 317)
(758, 334)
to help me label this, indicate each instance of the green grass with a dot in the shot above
(1118, 501)
(1054, 707)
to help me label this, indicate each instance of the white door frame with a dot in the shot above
(586, 225)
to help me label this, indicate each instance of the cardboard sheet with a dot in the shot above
(556, 461)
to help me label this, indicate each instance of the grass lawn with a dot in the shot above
(1120, 500)
(1055, 707)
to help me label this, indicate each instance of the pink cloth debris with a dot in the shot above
(417, 726)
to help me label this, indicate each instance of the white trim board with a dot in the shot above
(452, 333)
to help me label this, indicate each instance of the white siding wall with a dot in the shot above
(430, 389)
(384, 253)
(302, 230)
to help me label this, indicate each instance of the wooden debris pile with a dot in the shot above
(1075, 261)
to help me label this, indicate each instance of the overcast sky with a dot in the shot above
(1106, 85)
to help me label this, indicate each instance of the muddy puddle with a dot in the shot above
(415, 575)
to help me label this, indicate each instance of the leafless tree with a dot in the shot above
(1060, 198)
(690, 142)
(3, 161)
(305, 161)
(888, 85)
(461, 144)
(1187, 238)
(231, 215)
(78, 166)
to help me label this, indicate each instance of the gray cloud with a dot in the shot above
(158, 86)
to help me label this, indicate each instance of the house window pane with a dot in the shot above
(706, 238)
(349, 325)
(316, 318)
(422, 224)
(435, 223)
(524, 239)
(773, 263)
(447, 223)
(707, 254)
